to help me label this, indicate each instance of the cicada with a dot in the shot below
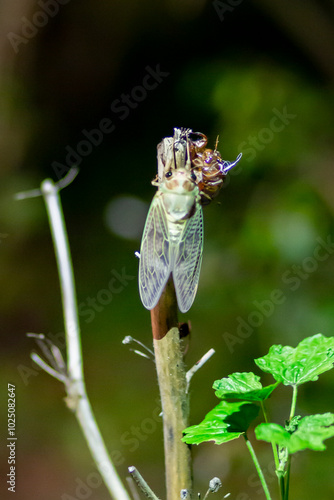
(209, 167)
(172, 241)
(189, 176)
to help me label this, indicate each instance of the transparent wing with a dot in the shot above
(188, 259)
(154, 263)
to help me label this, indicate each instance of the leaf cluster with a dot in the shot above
(242, 395)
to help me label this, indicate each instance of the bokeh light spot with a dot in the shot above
(125, 216)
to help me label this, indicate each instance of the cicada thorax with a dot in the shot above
(180, 193)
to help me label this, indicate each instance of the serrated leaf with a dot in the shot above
(246, 386)
(304, 363)
(227, 421)
(272, 433)
(209, 431)
(311, 432)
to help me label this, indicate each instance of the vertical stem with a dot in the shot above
(172, 385)
(282, 487)
(67, 287)
(292, 414)
(275, 452)
(77, 398)
(286, 495)
(294, 401)
(258, 468)
(274, 447)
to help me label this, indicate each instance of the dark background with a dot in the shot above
(230, 68)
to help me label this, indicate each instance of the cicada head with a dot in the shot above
(179, 181)
(174, 153)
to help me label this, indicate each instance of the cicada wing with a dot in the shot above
(154, 264)
(188, 259)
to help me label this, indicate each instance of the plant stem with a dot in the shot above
(292, 414)
(77, 398)
(172, 385)
(293, 402)
(60, 241)
(142, 484)
(264, 411)
(282, 487)
(258, 468)
(275, 453)
(197, 366)
(286, 495)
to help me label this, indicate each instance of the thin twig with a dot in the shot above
(144, 487)
(51, 371)
(142, 354)
(52, 353)
(45, 348)
(128, 340)
(132, 488)
(77, 398)
(197, 366)
(69, 177)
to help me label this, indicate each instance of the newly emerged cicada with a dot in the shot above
(189, 176)
(209, 167)
(172, 241)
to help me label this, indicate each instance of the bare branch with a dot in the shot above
(144, 487)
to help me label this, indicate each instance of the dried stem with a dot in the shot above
(172, 385)
(77, 399)
(144, 487)
(197, 366)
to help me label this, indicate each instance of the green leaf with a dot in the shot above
(246, 386)
(295, 366)
(227, 421)
(272, 433)
(311, 433)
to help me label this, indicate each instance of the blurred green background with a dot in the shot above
(258, 73)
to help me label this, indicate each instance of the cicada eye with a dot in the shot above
(168, 175)
(193, 176)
